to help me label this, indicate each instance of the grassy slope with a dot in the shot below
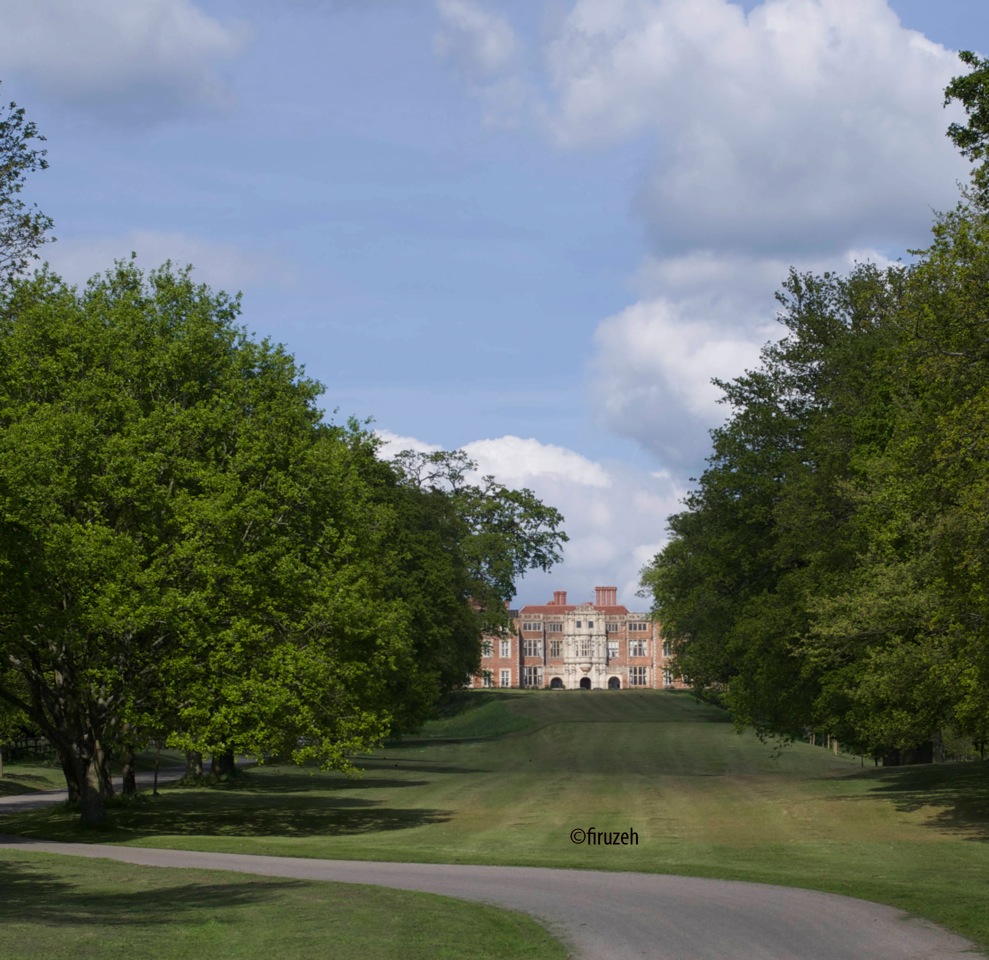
(703, 800)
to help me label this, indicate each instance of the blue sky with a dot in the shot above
(535, 229)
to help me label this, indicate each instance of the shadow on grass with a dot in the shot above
(959, 792)
(14, 784)
(30, 891)
(226, 814)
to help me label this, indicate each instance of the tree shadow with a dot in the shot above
(957, 792)
(226, 814)
(31, 891)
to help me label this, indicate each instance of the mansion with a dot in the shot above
(590, 646)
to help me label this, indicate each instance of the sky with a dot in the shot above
(534, 230)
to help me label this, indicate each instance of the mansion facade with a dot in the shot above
(591, 646)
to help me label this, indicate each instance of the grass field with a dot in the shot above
(67, 908)
(507, 777)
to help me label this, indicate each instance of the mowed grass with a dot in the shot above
(67, 908)
(508, 778)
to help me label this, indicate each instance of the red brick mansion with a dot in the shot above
(594, 646)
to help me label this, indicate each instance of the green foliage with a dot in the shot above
(188, 552)
(829, 572)
(22, 228)
(972, 139)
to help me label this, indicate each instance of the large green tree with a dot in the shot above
(183, 543)
(188, 551)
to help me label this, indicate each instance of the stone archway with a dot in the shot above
(556, 684)
(585, 683)
(614, 683)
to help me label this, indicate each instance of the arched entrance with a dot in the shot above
(614, 683)
(556, 684)
(585, 683)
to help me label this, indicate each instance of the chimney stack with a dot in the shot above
(606, 596)
(559, 598)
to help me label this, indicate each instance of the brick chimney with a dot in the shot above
(606, 596)
(559, 598)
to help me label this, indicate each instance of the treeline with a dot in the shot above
(830, 572)
(190, 554)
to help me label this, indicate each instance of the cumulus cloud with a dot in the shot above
(803, 126)
(615, 513)
(128, 61)
(221, 266)
(702, 316)
(652, 375)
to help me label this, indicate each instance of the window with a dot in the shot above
(612, 626)
(532, 677)
(666, 649)
(667, 678)
(554, 627)
(577, 624)
(612, 649)
(556, 648)
(506, 648)
(487, 679)
(533, 647)
(586, 647)
(638, 648)
(487, 648)
(638, 626)
(532, 625)
(636, 676)
(506, 678)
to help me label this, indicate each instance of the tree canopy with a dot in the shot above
(828, 573)
(188, 551)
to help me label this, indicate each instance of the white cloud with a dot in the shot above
(805, 126)
(480, 42)
(221, 266)
(485, 49)
(653, 369)
(132, 61)
(392, 444)
(615, 514)
(515, 461)
(702, 315)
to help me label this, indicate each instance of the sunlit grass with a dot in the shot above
(509, 777)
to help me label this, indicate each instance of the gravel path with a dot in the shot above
(615, 916)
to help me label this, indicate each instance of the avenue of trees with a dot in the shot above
(830, 572)
(190, 554)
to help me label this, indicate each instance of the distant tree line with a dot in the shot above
(191, 554)
(830, 572)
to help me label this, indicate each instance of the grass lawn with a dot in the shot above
(506, 779)
(64, 908)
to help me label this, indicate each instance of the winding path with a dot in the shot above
(604, 915)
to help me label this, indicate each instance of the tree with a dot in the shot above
(22, 228)
(187, 550)
(503, 533)
(184, 544)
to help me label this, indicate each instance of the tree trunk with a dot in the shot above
(129, 774)
(223, 764)
(97, 786)
(193, 764)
